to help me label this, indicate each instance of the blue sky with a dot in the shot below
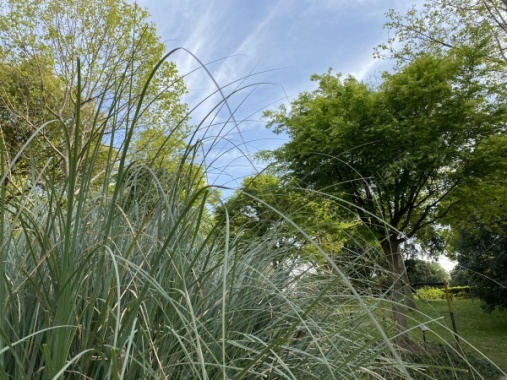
(273, 46)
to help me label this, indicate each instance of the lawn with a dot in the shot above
(486, 332)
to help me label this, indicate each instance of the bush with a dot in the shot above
(429, 294)
(483, 252)
(460, 292)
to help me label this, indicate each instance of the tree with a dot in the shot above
(27, 91)
(479, 26)
(482, 254)
(420, 271)
(117, 48)
(158, 158)
(459, 277)
(394, 153)
(446, 24)
(265, 207)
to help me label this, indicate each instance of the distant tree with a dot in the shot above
(265, 206)
(156, 158)
(421, 271)
(394, 153)
(459, 277)
(482, 252)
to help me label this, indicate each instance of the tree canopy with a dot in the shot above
(28, 91)
(395, 151)
(116, 44)
(118, 49)
(439, 25)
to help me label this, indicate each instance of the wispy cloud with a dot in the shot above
(296, 38)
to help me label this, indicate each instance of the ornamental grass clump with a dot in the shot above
(119, 271)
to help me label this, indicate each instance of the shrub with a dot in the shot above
(429, 294)
(460, 292)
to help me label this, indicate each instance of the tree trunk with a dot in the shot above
(409, 296)
(397, 276)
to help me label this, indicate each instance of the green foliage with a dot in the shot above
(393, 154)
(30, 87)
(421, 271)
(118, 49)
(27, 91)
(460, 292)
(111, 37)
(30, 93)
(116, 270)
(459, 277)
(161, 154)
(482, 195)
(482, 252)
(476, 27)
(96, 287)
(267, 206)
(438, 25)
(429, 294)
(389, 150)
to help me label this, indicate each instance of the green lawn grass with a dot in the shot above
(486, 332)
